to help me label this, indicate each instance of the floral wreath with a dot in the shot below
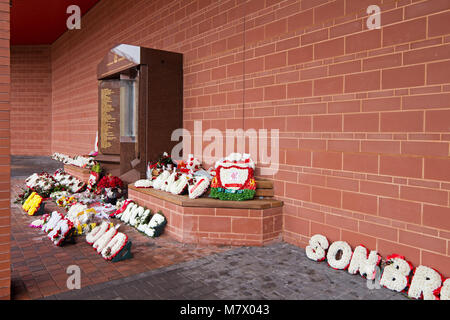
(234, 178)
(114, 246)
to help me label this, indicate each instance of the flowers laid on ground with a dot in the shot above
(141, 218)
(111, 188)
(233, 178)
(47, 185)
(79, 161)
(32, 204)
(42, 183)
(68, 182)
(97, 232)
(115, 246)
(94, 177)
(398, 274)
(108, 242)
(23, 196)
(59, 229)
(317, 246)
(59, 194)
(65, 202)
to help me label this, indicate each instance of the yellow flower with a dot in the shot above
(25, 206)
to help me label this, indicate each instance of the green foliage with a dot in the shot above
(219, 193)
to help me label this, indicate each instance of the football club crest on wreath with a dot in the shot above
(234, 179)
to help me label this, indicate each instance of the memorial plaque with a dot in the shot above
(140, 90)
(109, 117)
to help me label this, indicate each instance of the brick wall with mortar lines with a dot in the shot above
(363, 115)
(216, 225)
(5, 273)
(31, 84)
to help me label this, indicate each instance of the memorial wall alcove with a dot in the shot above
(140, 104)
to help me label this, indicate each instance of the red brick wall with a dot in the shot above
(363, 115)
(30, 100)
(5, 274)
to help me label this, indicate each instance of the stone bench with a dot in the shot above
(212, 221)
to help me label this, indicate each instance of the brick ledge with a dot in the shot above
(205, 202)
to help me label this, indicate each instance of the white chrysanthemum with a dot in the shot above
(363, 262)
(424, 282)
(97, 232)
(135, 215)
(158, 182)
(156, 220)
(169, 181)
(318, 244)
(127, 213)
(179, 185)
(143, 183)
(344, 260)
(52, 222)
(114, 246)
(395, 275)
(198, 188)
(101, 242)
(445, 290)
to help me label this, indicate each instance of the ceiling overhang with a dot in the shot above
(42, 22)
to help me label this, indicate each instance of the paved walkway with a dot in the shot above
(277, 271)
(38, 268)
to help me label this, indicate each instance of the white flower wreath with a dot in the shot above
(424, 283)
(143, 183)
(159, 181)
(156, 220)
(179, 185)
(318, 244)
(199, 187)
(97, 232)
(52, 222)
(103, 241)
(169, 182)
(445, 290)
(114, 246)
(333, 250)
(74, 210)
(143, 220)
(60, 231)
(127, 213)
(135, 215)
(396, 273)
(364, 262)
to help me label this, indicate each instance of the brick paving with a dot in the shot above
(163, 268)
(277, 272)
(38, 268)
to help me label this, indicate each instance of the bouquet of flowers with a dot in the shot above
(23, 196)
(111, 188)
(95, 175)
(32, 204)
(42, 183)
(164, 162)
(67, 182)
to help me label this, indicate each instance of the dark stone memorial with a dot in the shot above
(140, 104)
